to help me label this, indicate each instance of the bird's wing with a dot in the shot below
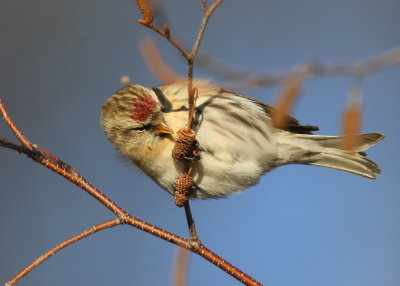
(292, 125)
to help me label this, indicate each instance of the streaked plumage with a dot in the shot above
(235, 133)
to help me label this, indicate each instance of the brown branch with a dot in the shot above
(191, 225)
(20, 149)
(54, 250)
(357, 68)
(179, 272)
(7, 119)
(200, 250)
(204, 6)
(226, 266)
(48, 160)
(156, 64)
(214, 6)
(203, 25)
(192, 91)
(165, 32)
(192, 56)
(196, 245)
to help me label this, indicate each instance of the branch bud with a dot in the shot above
(146, 12)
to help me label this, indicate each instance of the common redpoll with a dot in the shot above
(236, 136)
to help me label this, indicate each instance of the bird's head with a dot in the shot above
(132, 118)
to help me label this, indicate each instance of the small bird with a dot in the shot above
(236, 136)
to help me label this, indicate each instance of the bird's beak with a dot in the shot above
(163, 128)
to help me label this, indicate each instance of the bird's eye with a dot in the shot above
(142, 128)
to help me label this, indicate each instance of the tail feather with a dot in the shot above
(332, 156)
(336, 142)
(352, 163)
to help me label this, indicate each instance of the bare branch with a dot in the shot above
(25, 142)
(226, 266)
(203, 26)
(201, 250)
(357, 68)
(156, 64)
(191, 225)
(56, 165)
(54, 250)
(148, 22)
(181, 198)
(192, 56)
(11, 145)
(214, 6)
(204, 6)
(166, 35)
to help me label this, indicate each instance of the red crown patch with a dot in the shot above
(143, 107)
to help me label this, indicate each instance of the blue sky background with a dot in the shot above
(60, 60)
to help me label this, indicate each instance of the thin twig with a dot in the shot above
(123, 217)
(204, 6)
(192, 97)
(214, 6)
(51, 156)
(25, 142)
(191, 225)
(192, 108)
(192, 56)
(192, 91)
(203, 25)
(311, 70)
(157, 65)
(11, 145)
(54, 250)
(168, 37)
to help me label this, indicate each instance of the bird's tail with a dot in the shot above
(326, 151)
